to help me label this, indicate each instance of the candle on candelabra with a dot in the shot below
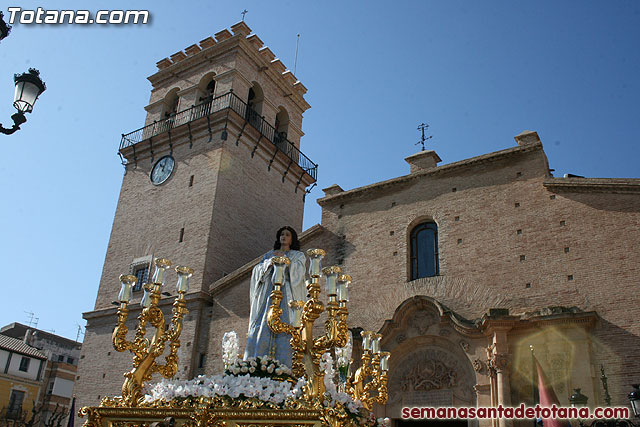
(343, 287)
(146, 297)
(145, 348)
(159, 275)
(279, 264)
(297, 312)
(331, 276)
(375, 343)
(384, 361)
(315, 264)
(127, 281)
(366, 340)
(183, 279)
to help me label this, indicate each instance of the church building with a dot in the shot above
(464, 267)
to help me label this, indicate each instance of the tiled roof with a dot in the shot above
(18, 330)
(18, 346)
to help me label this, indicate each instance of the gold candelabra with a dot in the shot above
(146, 350)
(375, 366)
(307, 351)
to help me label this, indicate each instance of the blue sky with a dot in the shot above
(478, 72)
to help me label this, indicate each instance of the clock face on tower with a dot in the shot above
(162, 170)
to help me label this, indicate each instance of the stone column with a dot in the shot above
(499, 362)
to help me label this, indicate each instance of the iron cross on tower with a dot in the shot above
(422, 127)
(244, 12)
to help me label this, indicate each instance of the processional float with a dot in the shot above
(255, 392)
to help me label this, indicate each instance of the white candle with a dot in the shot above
(331, 286)
(125, 292)
(146, 299)
(297, 312)
(366, 340)
(375, 343)
(384, 361)
(331, 277)
(343, 287)
(279, 264)
(159, 274)
(315, 266)
(184, 273)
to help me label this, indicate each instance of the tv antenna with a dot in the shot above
(422, 127)
(33, 321)
(244, 12)
(79, 332)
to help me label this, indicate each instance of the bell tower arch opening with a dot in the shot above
(207, 88)
(282, 128)
(255, 101)
(171, 102)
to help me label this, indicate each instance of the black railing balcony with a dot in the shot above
(233, 102)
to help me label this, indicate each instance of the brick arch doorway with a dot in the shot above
(430, 362)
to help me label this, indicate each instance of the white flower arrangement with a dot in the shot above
(244, 386)
(229, 348)
(343, 354)
(267, 380)
(354, 408)
(262, 367)
(343, 359)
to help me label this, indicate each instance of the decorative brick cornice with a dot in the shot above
(585, 319)
(593, 185)
(224, 42)
(451, 167)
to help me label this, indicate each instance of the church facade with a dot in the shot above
(463, 267)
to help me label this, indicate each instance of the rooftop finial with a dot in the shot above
(422, 127)
(244, 12)
(295, 62)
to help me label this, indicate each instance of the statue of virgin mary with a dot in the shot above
(261, 341)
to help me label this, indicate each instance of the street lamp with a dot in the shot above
(577, 399)
(634, 399)
(29, 86)
(4, 28)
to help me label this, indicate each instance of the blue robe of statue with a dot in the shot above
(260, 340)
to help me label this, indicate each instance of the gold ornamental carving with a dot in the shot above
(311, 361)
(145, 350)
(307, 350)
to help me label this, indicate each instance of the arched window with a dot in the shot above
(424, 250)
(206, 88)
(171, 102)
(281, 128)
(206, 93)
(170, 108)
(254, 106)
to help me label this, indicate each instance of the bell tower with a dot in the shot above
(209, 178)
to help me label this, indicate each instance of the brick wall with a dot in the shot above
(502, 238)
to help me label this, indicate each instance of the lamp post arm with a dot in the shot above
(18, 119)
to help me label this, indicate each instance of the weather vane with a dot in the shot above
(244, 12)
(422, 127)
